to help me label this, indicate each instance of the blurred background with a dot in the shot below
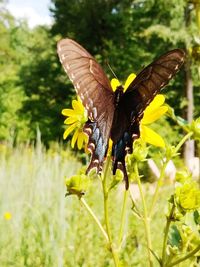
(34, 214)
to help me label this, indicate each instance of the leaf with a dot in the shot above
(196, 217)
(174, 237)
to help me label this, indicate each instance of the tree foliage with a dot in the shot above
(44, 85)
(126, 34)
(11, 95)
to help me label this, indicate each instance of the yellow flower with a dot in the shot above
(115, 82)
(151, 114)
(76, 119)
(7, 216)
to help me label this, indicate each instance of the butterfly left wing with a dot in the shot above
(94, 89)
(139, 94)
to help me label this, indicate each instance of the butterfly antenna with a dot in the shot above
(111, 70)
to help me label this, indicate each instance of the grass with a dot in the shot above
(48, 230)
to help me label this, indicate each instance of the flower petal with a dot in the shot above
(70, 120)
(115, 83)
(74, 138)
(151, 137)
(68, 112)
(155, 103)
(69, 130)
(152, 116)
(81, 138)
(129, 80)
(77, 106)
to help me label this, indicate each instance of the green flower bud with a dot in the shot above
(77, 185)
(140, 150)
(183, 176)
(187, 196)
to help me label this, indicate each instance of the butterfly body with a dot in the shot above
(114, 115)
(118, 94)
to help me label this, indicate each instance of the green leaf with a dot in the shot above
(174, 237)
(196, 217)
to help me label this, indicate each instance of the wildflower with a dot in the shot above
(78, 116)
(7, 216)
(151, 114)
(76, 119)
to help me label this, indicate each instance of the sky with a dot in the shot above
(35, 11)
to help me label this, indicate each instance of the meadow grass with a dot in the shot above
(47, 229)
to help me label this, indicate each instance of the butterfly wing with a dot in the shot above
(150, 81)
(94, 89)
(139, 94)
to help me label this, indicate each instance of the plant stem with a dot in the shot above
(105, 198)
(83, 201)
(123, 216)
(162, 173)
(106, 213)
(159, 183)
(187, 136)
(146, 219)
(169, 219)
(192, 253)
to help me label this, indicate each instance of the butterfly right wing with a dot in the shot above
(94, 89)
(153, 78)
(136, 98)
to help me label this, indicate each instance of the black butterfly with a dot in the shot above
(114, 115)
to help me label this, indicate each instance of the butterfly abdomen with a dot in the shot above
(118, 95)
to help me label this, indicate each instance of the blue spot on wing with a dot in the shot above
(96, 145)
(100, 149)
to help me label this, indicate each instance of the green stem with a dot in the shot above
(105, 198)
(106, 213)
(162, 173)
(123, 216)
(189, 255)
(159, 184)
(169, 219)
(187, 136)
(146, 219)
(83, 201)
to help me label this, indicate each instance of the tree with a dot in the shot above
(46, 89)
(174, 23)
(11, 94)
(127, 34)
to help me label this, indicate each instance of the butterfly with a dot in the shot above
(114, 115)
